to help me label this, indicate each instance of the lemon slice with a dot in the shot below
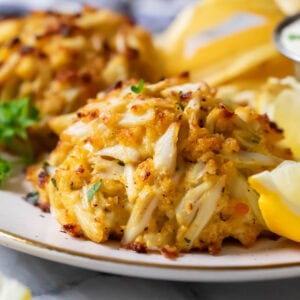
(280, 100)
(12, 290)
(279, 200)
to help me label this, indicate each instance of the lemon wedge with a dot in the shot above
(279, 199)
(12, 290)
(280, 100)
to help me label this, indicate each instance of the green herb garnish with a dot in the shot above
(255, 139)
(53, 181)
(139, 88)
(32, 197)
(181, 106)
(5, 168)
(294, 37)
(46, 167)
(15, 117)
(187, 240)
(92, 191)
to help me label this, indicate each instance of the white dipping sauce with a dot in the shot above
(290, 37)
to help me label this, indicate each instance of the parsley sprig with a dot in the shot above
(5, 168)
(139, 88)
(15, 117)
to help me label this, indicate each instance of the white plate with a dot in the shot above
(25, 228)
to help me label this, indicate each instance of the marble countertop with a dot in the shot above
(53, 281)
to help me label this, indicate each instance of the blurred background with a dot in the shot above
(152, 14)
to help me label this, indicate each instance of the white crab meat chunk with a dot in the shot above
(122, 153)
(188, 206)
(140, 215)
(132, 119)
(165, 151)
(206, 206)
(129, 182)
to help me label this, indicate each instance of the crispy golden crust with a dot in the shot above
(61, 60)
(173, 163)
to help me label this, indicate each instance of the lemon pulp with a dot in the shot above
(279, 199)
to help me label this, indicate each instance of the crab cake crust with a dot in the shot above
(165, 167)
(61, 60)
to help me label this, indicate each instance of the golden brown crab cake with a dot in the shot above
(160, 166)
(61, 60)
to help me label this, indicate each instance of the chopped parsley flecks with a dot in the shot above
(93, 190)
(181, 106)
(53, 181)
(293, 37)
(187, 240)
(255, 139)
(32, 197)
(46, 167)
(138, 89)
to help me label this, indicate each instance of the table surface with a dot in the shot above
(53, 281)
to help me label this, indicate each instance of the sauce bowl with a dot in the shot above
(288, 43)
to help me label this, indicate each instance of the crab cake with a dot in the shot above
(161, 166)
(60, 60)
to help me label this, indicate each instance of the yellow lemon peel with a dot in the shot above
(279, 209)
(13, 290)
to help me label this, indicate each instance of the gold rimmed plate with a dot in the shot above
(25, 228)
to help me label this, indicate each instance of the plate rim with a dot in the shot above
(151, 271)
(16, 238)
(4, 234)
